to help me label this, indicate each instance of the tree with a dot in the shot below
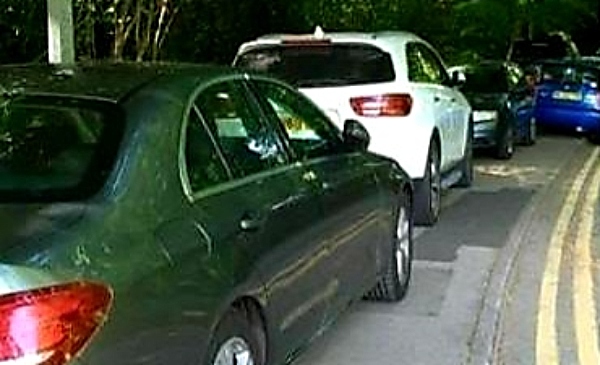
(142, 25)
(23, 39)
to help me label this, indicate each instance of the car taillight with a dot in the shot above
(51, 325)
(387, 105)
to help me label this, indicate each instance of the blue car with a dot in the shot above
(502, 106)
(567, 97)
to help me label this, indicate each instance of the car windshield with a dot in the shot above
(565, 73)
(486, 80)
(54, 149)
(321, 64)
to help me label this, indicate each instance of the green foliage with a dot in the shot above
(23, 39)
(211, 30)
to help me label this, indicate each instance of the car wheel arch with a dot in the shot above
(253, 311)
(435, 137)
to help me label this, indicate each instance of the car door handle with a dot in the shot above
(251, 222)
(436, 99)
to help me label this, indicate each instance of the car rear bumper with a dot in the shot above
(484, 134)
(572, 119)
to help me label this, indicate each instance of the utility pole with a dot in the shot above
(61, 39)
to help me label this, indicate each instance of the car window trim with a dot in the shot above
(274, 120)
(269, 116)
(241, 181)
(265, 119)
(183, 171)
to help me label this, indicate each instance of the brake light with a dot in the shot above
(49, 326)
(387, 105)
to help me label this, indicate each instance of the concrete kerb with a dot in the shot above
(484, 339)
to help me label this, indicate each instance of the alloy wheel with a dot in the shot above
(234, 351)
(403, 250)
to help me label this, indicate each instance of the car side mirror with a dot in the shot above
(356, 135)
(457, 78)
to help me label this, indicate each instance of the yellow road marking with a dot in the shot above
(584, 310)
(546, 351)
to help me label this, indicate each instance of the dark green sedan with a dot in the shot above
(184, 214)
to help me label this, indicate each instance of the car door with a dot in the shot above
(431, 94)
(520, 98)
(451, 106)
(268, 215)
(346, 182)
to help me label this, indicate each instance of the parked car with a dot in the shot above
(396, 84)
(591, 60)
(554, 45)
(502, 105)
(185, 214)
(568, 97)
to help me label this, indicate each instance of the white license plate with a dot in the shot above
(566, 95)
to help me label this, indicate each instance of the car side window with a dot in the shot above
(247, 144)
(310, 133)
(414, 67)
(433, 70)
(203, 162)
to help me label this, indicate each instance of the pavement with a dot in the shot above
(460, 308)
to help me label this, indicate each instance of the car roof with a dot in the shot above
(382, 38)
(111, 81)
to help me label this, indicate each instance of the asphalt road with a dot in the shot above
(475, 294)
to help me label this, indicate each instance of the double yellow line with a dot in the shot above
(584, 311)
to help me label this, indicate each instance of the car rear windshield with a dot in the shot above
(54, 149)
(486, 80)
(528, 51)
(564, 73)
(321, 64)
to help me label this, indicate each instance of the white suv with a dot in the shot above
(394, 83)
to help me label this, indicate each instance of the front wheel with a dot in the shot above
(235, 342)
(395, 282)
(531, 133)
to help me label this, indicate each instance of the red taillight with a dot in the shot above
(387, 105)
(51, 325)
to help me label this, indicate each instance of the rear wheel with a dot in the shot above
(236, 342)
(429, 189)
(394, 284)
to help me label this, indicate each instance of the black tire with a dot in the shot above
(428, 191)
(531, 136)
(394, 284)
(506, 145)
(236, 332)
(466, 168)
(594, 138)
